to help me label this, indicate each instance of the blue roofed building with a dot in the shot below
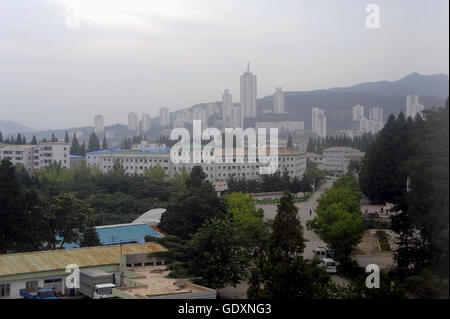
(121, 234)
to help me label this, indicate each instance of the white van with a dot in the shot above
(329, 265)
(320, 252)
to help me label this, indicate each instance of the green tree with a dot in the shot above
(422, 222)
(33, 141)
(104, 143)
(12, 210)
(218, 257)
(380, 176)
(90, 238)
(338, 221)
(289, 143)
(280, 272)
(83, 149)
(66, 137)
(94, 143)
(248, 219)
(19, 139)
(75, 147)
(156, 174)
(67, 217)
(189, 209)
(214, 257)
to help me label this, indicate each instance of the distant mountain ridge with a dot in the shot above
(433, 90)
(414, 83)
(10, 127)
(337, 102)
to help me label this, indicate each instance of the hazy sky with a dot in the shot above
(139, 55)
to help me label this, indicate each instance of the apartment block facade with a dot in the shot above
(137, 162)
(34, 157)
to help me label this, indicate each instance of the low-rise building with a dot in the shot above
(295, 127)
(152, 283)
(47, 269)
(137, 162)
(336, 159)
(121, 234)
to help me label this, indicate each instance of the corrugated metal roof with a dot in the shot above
(22, 263)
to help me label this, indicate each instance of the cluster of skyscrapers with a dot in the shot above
(232, 115)
(372, 124)
(139, 126)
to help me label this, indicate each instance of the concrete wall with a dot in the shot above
(18, 282)
(138, 260)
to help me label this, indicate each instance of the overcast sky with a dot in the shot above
(140, 55)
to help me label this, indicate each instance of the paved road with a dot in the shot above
(312, 239)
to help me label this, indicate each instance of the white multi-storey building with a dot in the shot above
(296, 127)
(321, 124)
(315, 113)
(278, 101)
(236, 117)
(182, 119)
(201, 114)
(370, 126)
(248, 94)
(34, 157)
(227, 107)
(145, 122)
(336, 159)
(99, 124)
(137, 162)
(133, 122)
(376, 114)
(413, 107)
(164, 120)
(357, 112)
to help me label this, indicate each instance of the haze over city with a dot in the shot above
(142, 55)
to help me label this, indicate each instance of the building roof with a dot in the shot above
(126, 152)
(342, 149)
(281, 151)
(126, 233)
(16, 147)
(121, 233)
(150, 282)
(153, 217)
(58, 259)
(313, 155)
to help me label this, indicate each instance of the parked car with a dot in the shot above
(322, 252)
(329, 265)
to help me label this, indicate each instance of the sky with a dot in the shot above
(64, 61)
